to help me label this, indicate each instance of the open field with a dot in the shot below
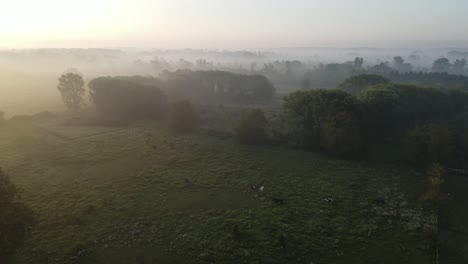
(453, 219)
(119, 195)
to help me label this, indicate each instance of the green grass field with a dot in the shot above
(454, 218)
(106, 195)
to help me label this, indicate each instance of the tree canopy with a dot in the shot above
(218, 87)
(355, 84)
(122, 99)
(71, 88)
(320, 118)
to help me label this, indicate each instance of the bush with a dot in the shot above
(15, 218)
(341, 135)
(183, 118)
(251, 127)
(429, 144)
(125, 100)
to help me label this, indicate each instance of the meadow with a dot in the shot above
(139, 194)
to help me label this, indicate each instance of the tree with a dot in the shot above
(183, 117)
(341, 134)
(358, 63)
(381, 111)
(381, 69)
(15, 218)
(430, 144)
(398, 61)
(71, 88)
(127, 99)
(218, 87)
(356, 84)
(400, 65)
(311, 114)
(441, 65)
(459, 66)
(251, 128)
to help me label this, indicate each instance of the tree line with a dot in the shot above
(365, 109)
(133, 97)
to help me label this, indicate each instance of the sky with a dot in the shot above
(233, 24)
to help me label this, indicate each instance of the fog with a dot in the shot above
(29, 76)
(246, 131)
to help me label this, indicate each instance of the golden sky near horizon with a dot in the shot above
(231, 24)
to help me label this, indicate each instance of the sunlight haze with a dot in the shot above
(232, 24)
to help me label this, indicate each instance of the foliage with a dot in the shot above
(316, 118)
(439, 80)
(381, 111)
(251, 127)
(382, 69)
(341, 134)
(355, 84)
(441, 65)
(71, 88)
(400, 65)
(459, 66)
(404, 107)
(218, 87)
(183, 118)
(122, 99)
(429, 144)
(15, 218)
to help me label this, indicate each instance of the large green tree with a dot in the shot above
(322, 118)
(71, 88)
(381, 111)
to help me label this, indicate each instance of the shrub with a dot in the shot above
(429, 144)
(183, 118)
(15, 218)
(251, 127)
(341, 135)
